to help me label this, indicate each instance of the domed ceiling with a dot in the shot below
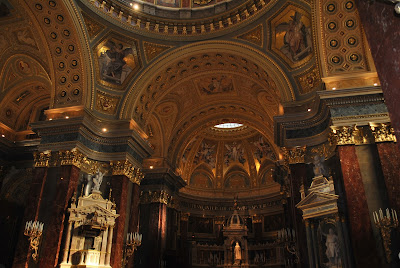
(228, 159)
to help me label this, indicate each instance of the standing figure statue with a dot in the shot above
(319, 168)
(238, 253)
(332, 247)
(97, 180)
(89, 184)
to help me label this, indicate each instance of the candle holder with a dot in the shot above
(288, 238)
(133, 240)
(34, 230)
(386, 223)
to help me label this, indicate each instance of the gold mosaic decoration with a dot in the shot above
(106, 103)
(309, 81)
(254, 36)
(92, 26)
(152, 50)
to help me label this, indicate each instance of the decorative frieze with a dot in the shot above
(68, 158)
(346, 135)
(342, 135)
(294, 155)
(155, 197)
(126, 168)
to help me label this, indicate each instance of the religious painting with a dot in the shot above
(237, 181)
(234, 152)
(291, 36)
(117, 60)
(262, 149)
(215, 84)
(168, 3)
(201, 179)
(206, 154)
(329, 244)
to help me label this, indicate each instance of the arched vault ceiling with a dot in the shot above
(204, 59)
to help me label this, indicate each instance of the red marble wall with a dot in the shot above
(22, 258)
(134, 215)
(382, 28)
(66, 185)
(119, 185)
(363, 243)
(389, 155)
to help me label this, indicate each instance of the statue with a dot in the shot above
(332, 247)
(238, 253)
(97, 180)
(319, 169)
(89, 184)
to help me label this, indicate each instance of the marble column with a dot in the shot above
(22, 258)
(381, 26)
(363, 242)
(104, 244)
(134, 216)
(67, 242)
(109, 245)
(310, 247)
(315, 244)
(60, 186)
(389, 155)
(119, 185)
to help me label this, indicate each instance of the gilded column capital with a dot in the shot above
(67, 158)
(148, 197)
(342, 135)
(41, 159)
(257, 218)
(294, 155)
(383, 132)
(126, 168)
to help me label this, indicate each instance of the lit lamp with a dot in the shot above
(34, 230)
(133, 240)
(386, 223)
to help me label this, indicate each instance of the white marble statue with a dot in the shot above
(332, 247)
(97, 180)
(238, 253)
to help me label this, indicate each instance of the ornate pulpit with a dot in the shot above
(90, 232)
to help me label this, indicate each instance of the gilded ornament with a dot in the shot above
(41, 159)
(106, 103)
(343, 135)
(126, 168)
(309, 81)
(254, 36)
(152, 50)
(155, 197)
(383, 132)
(201, 2)
(294, 155)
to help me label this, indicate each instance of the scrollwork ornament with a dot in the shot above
(126, 168)
(343, 135)
(294, 155)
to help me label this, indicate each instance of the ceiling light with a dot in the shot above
(104, 129)
(228, 125)
(375, 84)
(3, 135)
(333, 88)
(135, 6)
(308, 110)
(151, 167)
(67, 117)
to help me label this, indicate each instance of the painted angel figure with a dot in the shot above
(114, 61)
(297, 39)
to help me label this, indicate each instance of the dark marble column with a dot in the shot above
(310, 247)
(363, 242)
(33, 200)
(119, 186)
(134, 216)
(382, 28)
(297, 178)
(153, 222)
(389, 155)
(60, 185)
